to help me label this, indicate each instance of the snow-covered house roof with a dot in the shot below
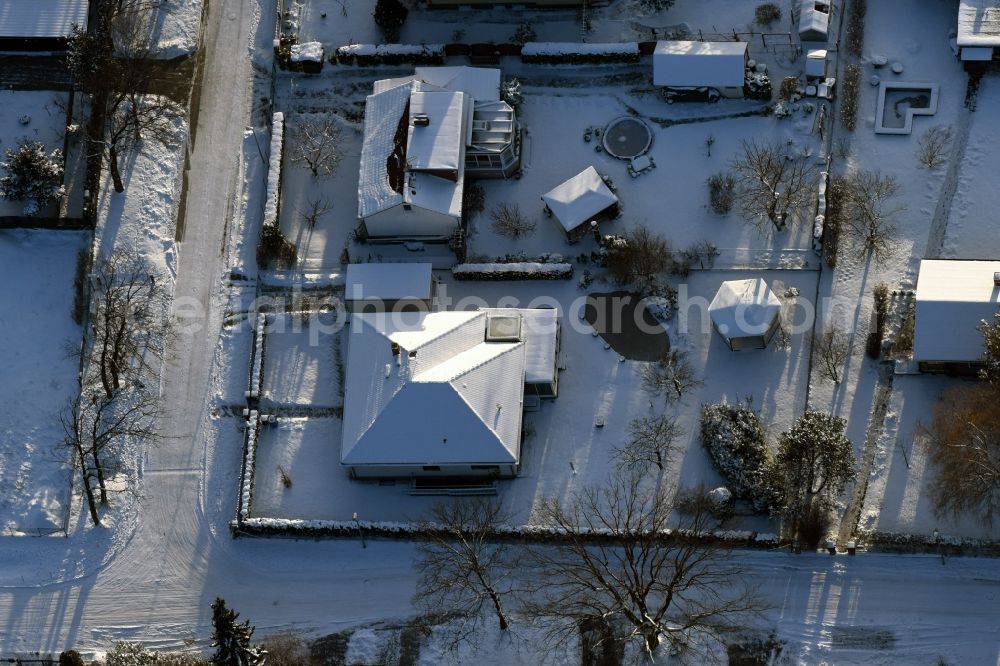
(388, 282)
(438, 146)
(480, 83)
(42, 18)
(428, 389)
(952, 298)
(686, 64)
(814, 20)
(744, 308)
(579, 199)
(540, 333)
(385, 176)
(978, 23)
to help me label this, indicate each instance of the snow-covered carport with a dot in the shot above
(40, 25)
(583, 198)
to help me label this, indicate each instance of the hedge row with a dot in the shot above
(389, 54)
(533, 52)
(522, 270)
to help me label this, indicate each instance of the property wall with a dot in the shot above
(397, 223)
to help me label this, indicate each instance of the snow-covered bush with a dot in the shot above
(274, 169)
(390, 54)
(390, 15)
(735, 441)
(32, 175)
(767, 13)
(129, 654)
(720, 192)
(510, 92)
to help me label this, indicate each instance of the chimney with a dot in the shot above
(420, 120)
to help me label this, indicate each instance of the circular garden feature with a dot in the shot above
(627, 137)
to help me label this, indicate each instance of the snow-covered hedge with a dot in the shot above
(572, 52)
(735, 441)
(274, 169)
(520, 270)
(257, 358)
(389, 54)
(251, 430)
(306, 57)
(897, 542)
(293, 527)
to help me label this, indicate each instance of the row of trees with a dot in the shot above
(115, 412)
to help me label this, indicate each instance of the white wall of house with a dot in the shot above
(414, 224)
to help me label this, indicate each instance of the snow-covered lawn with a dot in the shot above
(45, 121)
(40, 377)
(299, 364)
(672, 199)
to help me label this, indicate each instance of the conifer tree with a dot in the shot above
(231, 639)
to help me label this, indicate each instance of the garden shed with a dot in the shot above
(746, 313)
(692, 65)
(952, 298)
(579, 200)
(814, 20)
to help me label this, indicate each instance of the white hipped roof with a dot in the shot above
(480, 83)
(540, 333)
(684, 64)
(744, 308)
(953, 297)
(579, 199)
(42, 18)
(384, 111)
(978, 23)
(427, 389)
(388, 282)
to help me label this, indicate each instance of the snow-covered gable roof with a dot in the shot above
(446, 396)
(744, 308)
(482, 84)
(540, 333)
(812, 21)
(439, 145)
(42, 18)
(952, 298)
(579, 199)
(388, 281)
(978, 23)
(685, 64)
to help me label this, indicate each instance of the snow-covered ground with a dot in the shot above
(31, 115)
(176, 27)
(40, 377)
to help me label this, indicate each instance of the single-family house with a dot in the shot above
(978, 33)
(40, 25)
(423, 135)
(389, 287)
(681, 66)
(745, 313)
(436, 394)
(952, 298)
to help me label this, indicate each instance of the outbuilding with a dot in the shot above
(40, 25)
(952, 298)
(814, 20)
(690, 66)
(389, 287)
(583, 198)
(746, 313)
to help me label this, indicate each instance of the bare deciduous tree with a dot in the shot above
(991, 351)
(112, 63)
(127, 337)
(869, 214)
(646, 585)
(638, 256)
(651, 441)
(463, 568)
(965, 451)
(509, 221)
(96, 429)
(933, 146)
(316, 209)
(671, 376)
(771, 184)
(315, 141)
(832, 348)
